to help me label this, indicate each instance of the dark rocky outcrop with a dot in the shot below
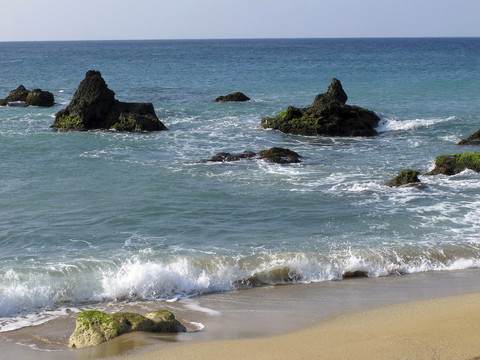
(407, 177)
(95, 327)
(274, 155)
(473, 139)
(328, 115)
(456, 163)
(233, 97)
(94, 107)
(36, 97)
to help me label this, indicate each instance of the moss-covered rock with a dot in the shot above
(233, 97)
(456, 163)
(95, 327)
(407, 177)
(328, 115)
(94, 107)
(473, 139)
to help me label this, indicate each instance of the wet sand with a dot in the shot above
(350, 319)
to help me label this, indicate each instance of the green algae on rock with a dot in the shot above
(456, 163)
(94, 107)
(328, 115)
(407, 177)
(95, 327)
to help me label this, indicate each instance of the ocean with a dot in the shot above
(101, 217)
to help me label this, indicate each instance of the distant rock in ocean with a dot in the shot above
(274, 155)
(407, 177)
(94, 107)
(456, 163)
(328, 115)
(23, 97)
(233, 97)
(473, 139)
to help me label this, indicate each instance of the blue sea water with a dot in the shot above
(100, 217)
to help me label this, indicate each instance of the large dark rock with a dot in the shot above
(473, 139)
(274, 155)
(35, 97)
(456, 163)
(328, 115)
(236, 96)
(407, 177)
(95, 327)
(94, 107)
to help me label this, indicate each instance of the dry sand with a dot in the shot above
(445, 328)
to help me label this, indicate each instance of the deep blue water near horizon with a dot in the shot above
(100, 217)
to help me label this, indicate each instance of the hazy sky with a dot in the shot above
(195, 19)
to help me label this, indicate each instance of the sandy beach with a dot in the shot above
(446, 328)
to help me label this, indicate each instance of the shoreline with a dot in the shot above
(262, 317)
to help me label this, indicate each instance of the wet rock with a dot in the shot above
(274, 155)
(23, 97)
(328, 115)
(95, 327)
(94, 107)
(233, 97)
(354, 274)
(456, 163)
(407, 177)
(473, 139)
(281, 275)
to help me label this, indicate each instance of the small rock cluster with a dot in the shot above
(23, 97)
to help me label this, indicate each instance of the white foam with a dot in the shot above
(195, 306)
(387, 124)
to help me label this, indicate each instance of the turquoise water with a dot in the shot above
(100, 217)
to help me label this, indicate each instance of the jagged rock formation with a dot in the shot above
(233, 97)
(328, 115)
(95, 327)
(407, 177)
(94, 107)
(473, 139)
(274, 155)
(36, 97)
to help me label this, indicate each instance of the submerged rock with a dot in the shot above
(94, 107)
(354, 274)
(328, 115)
(281, 275)
(95, 327)
(233, 97)
(407, 177)
(456, 163)
(473, 139)
(21, 95)
(274, 155)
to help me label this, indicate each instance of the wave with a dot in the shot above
(29, 300)
(387, 124)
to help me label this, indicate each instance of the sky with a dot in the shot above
(33, 20)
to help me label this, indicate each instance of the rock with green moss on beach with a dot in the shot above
(21, 95)
(407, 177)
(473, 139)
(94, 107)
(95, 327)
(328, 115)
(456, 163)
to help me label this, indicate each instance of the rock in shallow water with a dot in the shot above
(473, 139)
(456, 163)
(94, 107)
(233, 97)
(274, 155)
(328, 115)
(36, 97)
(407, 177)
(95, 327)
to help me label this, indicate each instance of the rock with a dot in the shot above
(473, 139)
(281, 275)
(456, 163)
(95, 327)
(407, 177)
(94, 107)
(38, 97)
(236, 96)
(274, 155)
(354, 274)
(23, 97)
(328, 115)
